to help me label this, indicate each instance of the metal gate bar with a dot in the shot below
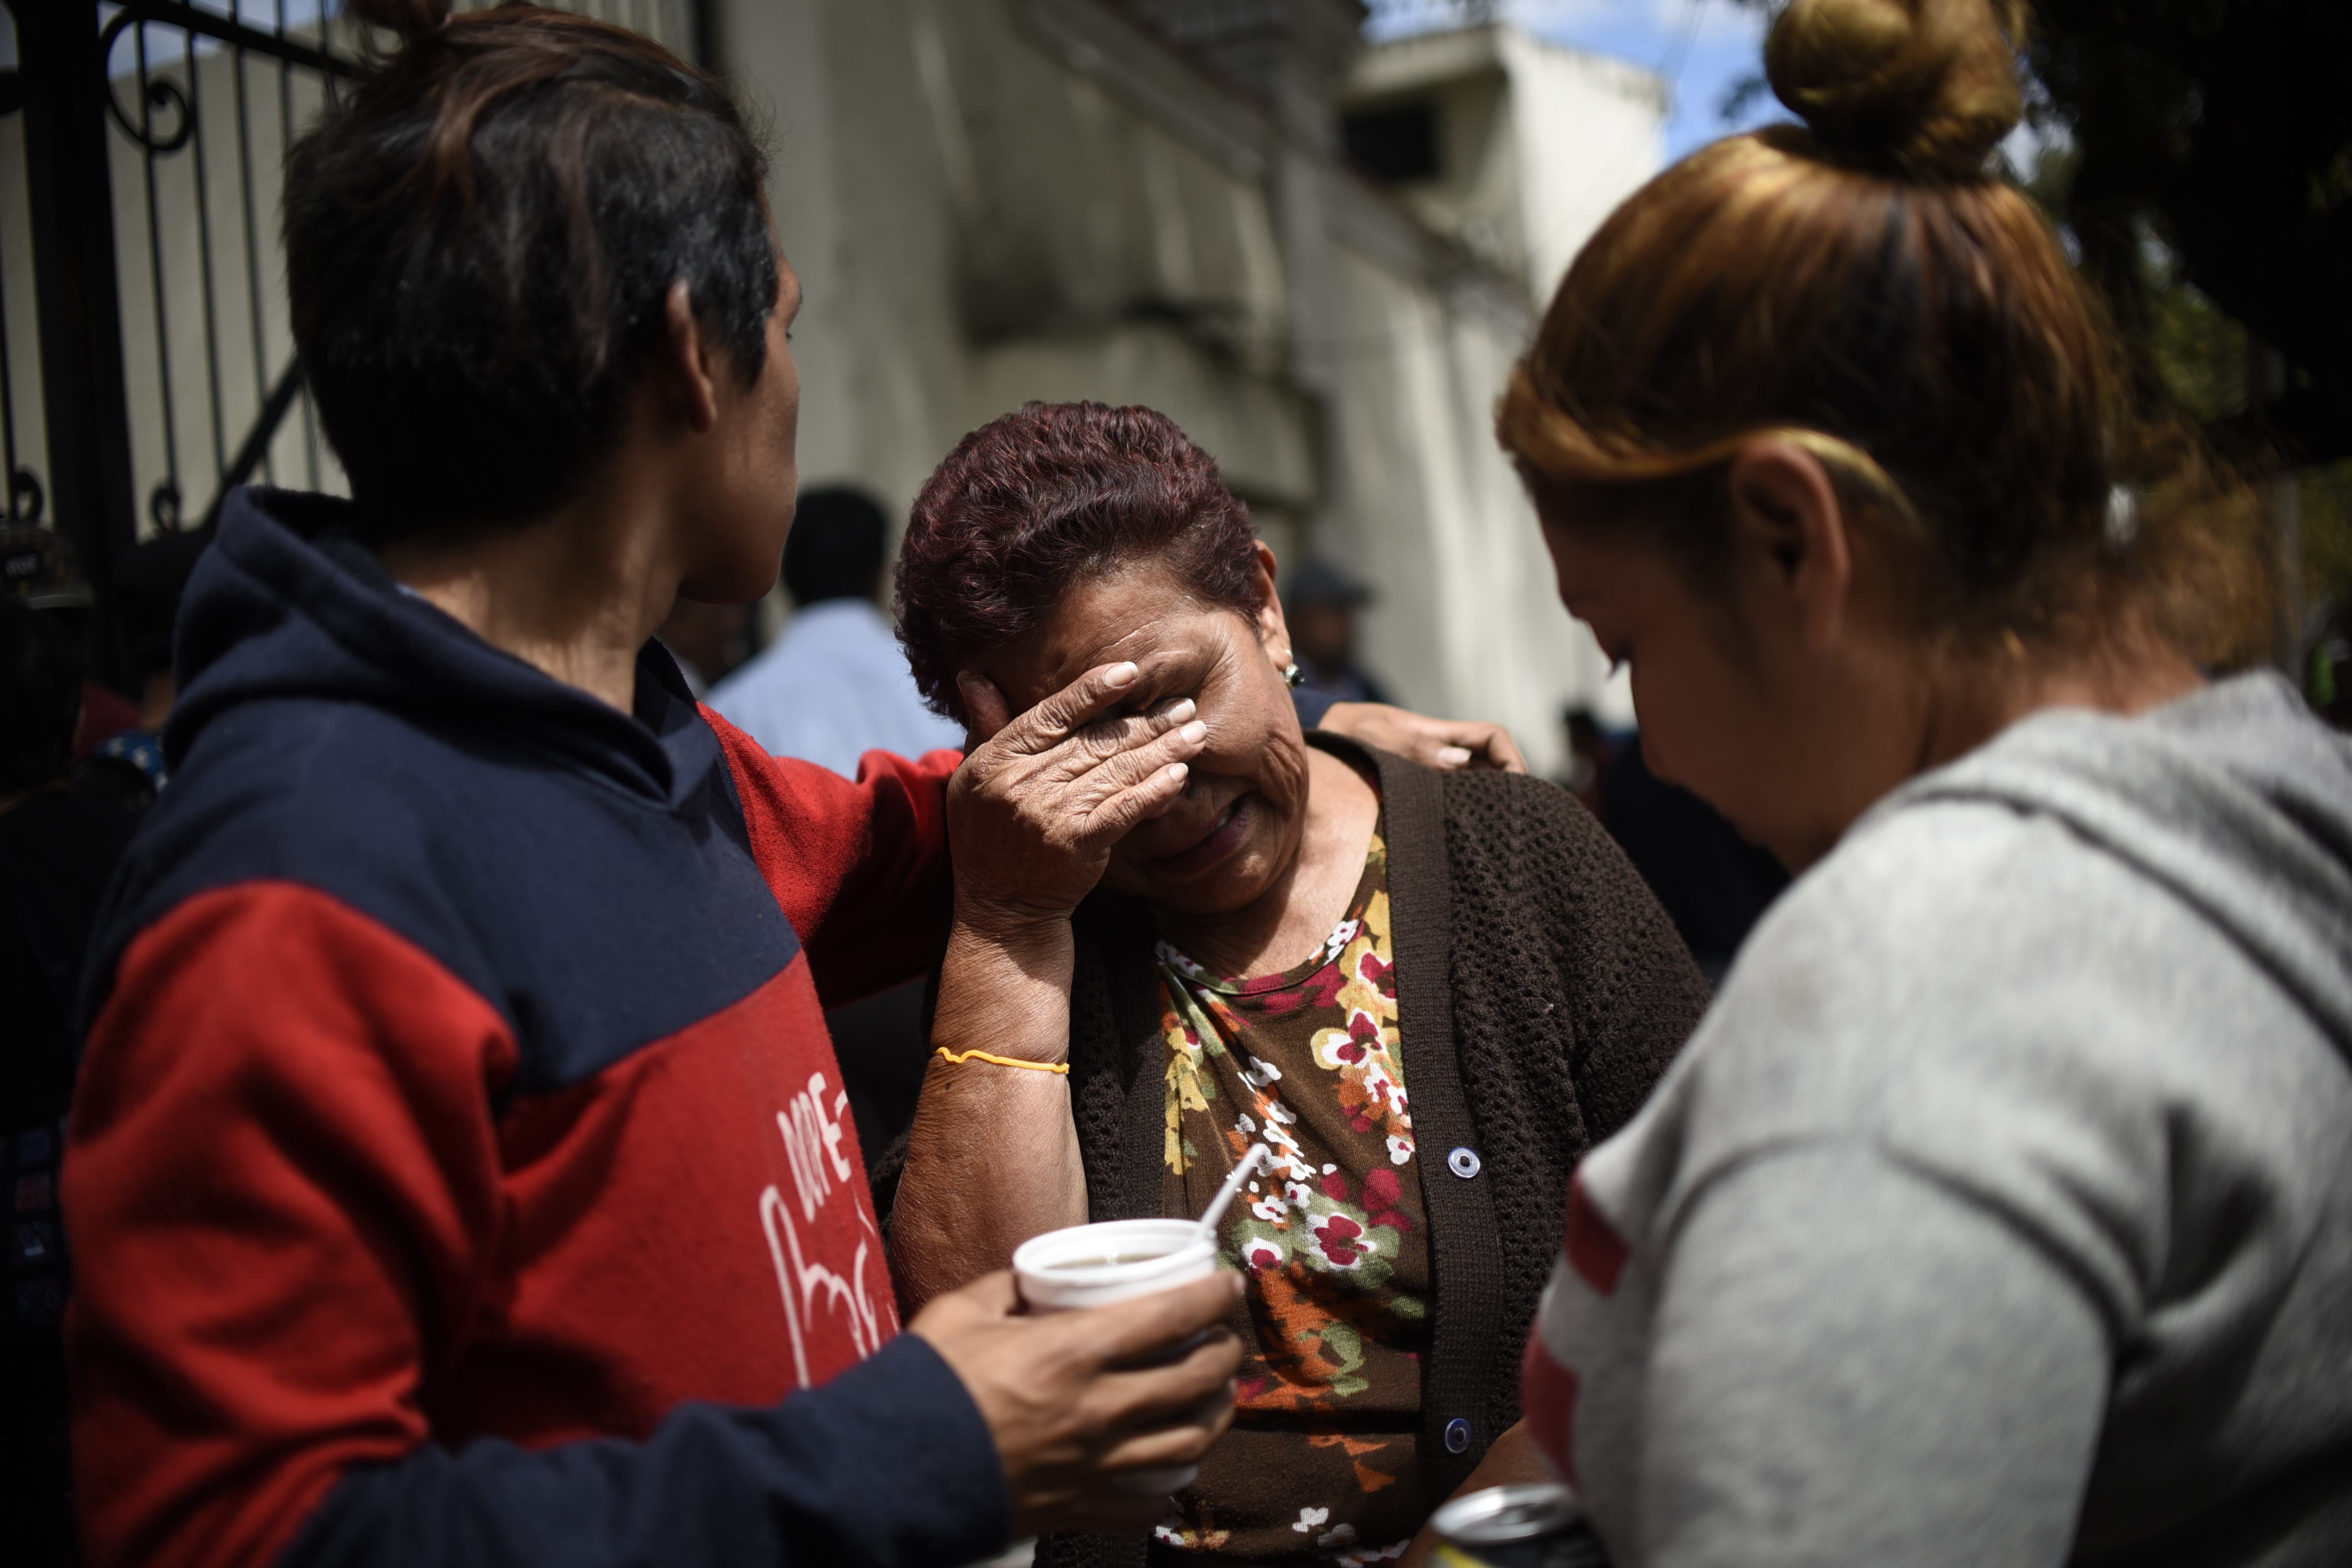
(68, 201)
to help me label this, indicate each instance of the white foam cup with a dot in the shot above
(1118, 1260)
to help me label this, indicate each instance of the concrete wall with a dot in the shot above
(1588, 132)
(1538, 144)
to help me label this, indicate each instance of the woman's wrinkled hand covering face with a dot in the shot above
(1221, 836)
(1043, 795)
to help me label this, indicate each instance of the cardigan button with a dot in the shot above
(1457, 1436)
(1463, 1162)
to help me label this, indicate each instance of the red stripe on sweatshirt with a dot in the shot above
(308, 1241)
(693, 1223)
(1547, 1393)
(1594, 1249)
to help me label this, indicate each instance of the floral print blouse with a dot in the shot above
(1320, 1466)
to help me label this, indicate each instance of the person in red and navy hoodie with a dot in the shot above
(460, 1172)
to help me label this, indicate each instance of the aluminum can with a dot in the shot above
(1517, 1526)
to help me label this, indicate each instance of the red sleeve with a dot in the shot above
(279, 1175)
(861, 869)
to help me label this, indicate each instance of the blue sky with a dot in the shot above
(1703, 47)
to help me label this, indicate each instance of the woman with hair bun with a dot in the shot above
(2000, 1211)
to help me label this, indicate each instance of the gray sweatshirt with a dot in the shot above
(2000, 1211)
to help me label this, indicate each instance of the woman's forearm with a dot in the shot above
(993, 1156)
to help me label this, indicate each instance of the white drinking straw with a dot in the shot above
(1224, 1199)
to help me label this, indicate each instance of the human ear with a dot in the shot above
(689, 360)
(1786, 520)
(1273, 630)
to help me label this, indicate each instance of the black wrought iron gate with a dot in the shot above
(146, 361)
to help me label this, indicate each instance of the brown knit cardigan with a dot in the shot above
(1540, 992)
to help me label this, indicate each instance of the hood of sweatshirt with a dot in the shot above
(2236, 800)
(287, 605)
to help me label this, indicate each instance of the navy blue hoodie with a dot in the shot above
(459, 1170)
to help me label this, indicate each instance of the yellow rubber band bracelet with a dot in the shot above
(1062, 1067)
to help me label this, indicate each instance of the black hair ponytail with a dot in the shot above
(479, 240)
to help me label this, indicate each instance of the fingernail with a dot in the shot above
(1452, 756)
(1185, 708)
(1177, 770)
(1195, 732)
(966, 679)
(1121, 674)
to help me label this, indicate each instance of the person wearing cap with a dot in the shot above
(148, 583)
(835, 685)
(37, 568)
(1320, 602)
(63, 827)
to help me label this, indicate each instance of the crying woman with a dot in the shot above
(1425, 994)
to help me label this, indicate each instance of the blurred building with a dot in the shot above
(1319, 258)
(1517, 148)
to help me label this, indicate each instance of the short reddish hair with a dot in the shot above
(1030, 503)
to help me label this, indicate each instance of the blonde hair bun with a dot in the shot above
(1928, 85)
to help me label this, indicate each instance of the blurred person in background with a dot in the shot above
(62, 828)
(1591, 752)
(2000, 1211)
(148, 586)
(1423, 995)
(835, 686)
(37, 568)
(112, 756)
(1713, 883)
(1334, 693)
(456, 1172)
(1319, 602)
